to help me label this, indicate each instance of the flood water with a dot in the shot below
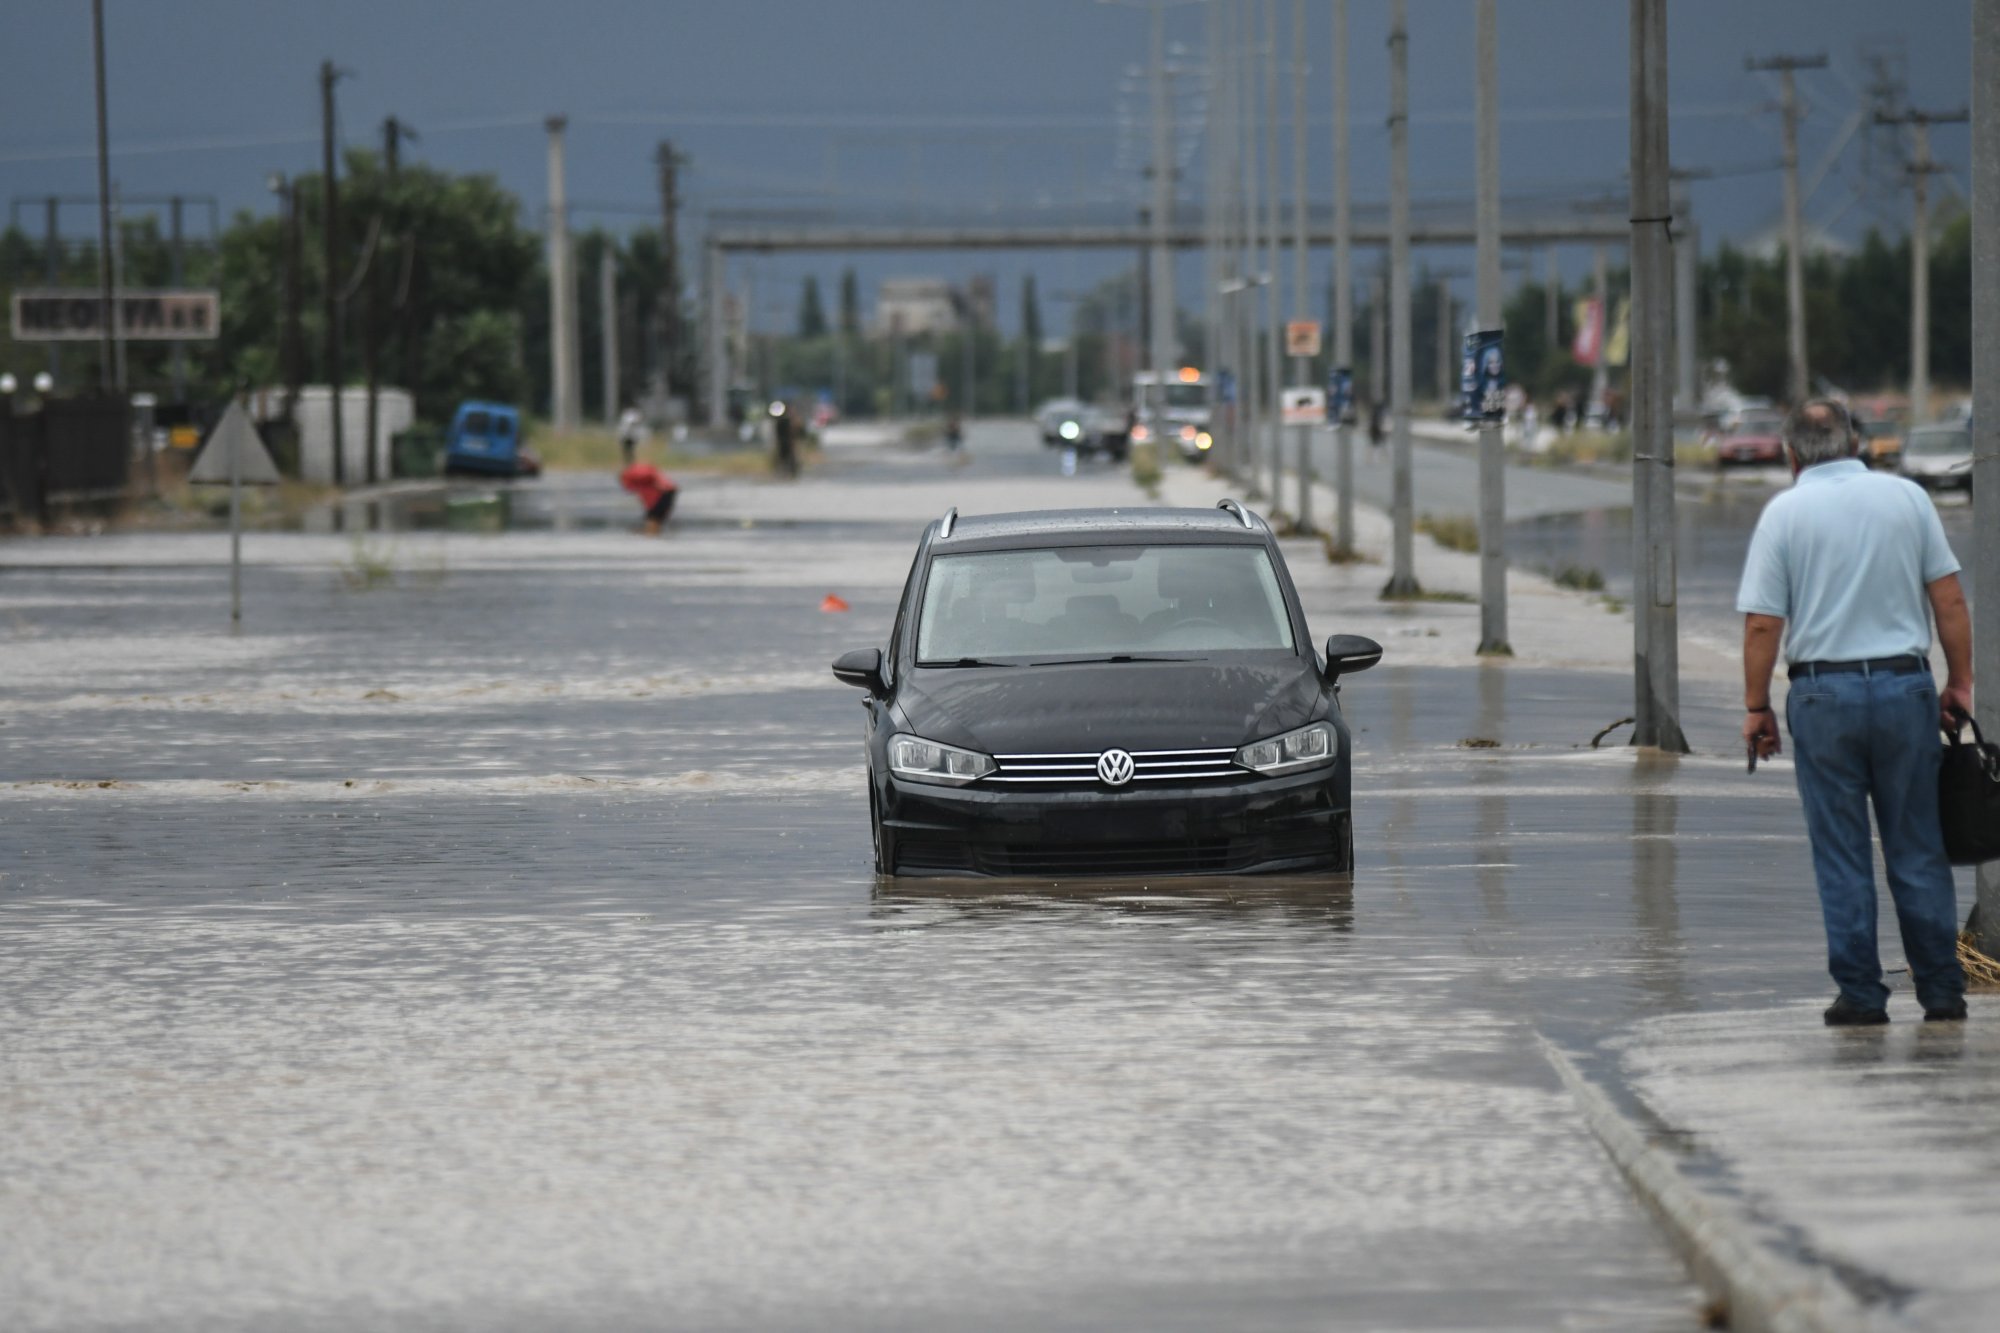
(484, 936)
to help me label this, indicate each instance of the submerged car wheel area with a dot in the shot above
(1106, 692)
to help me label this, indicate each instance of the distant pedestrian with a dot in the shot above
(1377, 424)
(1559, 414)
(631, 430)
(954, 433)
(1851, 567)
(656, 491)
(784, 441)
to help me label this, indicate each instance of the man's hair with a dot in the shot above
(1821, 431)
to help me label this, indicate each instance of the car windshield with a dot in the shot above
(476, 423)
(1101, 601)
(1950, 441)
(1880, 428)
(1187, 395)
(1759, 423)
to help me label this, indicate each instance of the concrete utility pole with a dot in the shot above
(1378, 334)
(176, 274)
(1274, 328)
(1301, 366)
(108, 296)
(565, 392)
(607, 328)
(1343, 281)
(1552, 300)
(1447, 336)
(1986, 413)
(1600, 287)
(329, 224)
(1486, 278)
(1657, 655)
(667, 314)
(1800, 383)
(1253, 255)
(1211, 239)
(52, 268)
(1921, 170)
(1687, 313)
(715, 272)
(1160, 329)
(1403, 574)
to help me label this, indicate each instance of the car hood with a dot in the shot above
(1930, 464)
(1094, 706)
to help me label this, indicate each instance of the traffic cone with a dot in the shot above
(833, 602)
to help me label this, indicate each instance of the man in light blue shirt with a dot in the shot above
(1851, 567)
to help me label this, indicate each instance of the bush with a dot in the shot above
(1453, 532)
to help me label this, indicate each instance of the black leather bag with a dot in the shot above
(1969, 798)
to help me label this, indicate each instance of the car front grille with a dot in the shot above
(1148, 766)
(1194, 856)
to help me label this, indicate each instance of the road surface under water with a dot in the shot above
(485, 936)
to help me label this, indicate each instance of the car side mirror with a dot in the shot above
(1349, 653)
(862, 668)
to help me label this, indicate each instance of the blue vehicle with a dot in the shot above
(486, 438)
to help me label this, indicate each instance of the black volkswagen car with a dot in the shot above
(1105, 691)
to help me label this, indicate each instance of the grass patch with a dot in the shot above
(1454, 532)
(597, 451)
(1578, 578)
(1430, 595)
(1146, 468)
(1336, 554)
(369, 565)
(1584, 446)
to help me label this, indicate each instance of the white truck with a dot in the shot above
(1179, 410)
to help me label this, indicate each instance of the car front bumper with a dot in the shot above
(1295, 823)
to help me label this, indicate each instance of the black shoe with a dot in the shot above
(1949, 1013)
(1843, 1013)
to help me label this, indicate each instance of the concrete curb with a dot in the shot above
(1762, 1292)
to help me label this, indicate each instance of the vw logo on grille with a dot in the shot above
(1114, 768)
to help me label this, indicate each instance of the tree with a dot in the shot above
(812, 315)
(850, 303)
(1031, 335)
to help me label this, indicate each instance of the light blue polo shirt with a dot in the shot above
(1845, 557)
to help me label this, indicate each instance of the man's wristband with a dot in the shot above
(1765, 709)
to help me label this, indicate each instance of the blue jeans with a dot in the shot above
(1857, 737)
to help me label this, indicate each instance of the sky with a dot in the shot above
(923, 108)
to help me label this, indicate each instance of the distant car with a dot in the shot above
(1106, 431)
(1113, 692)
(486, 438)
(1061, 422)
(1754, 440)
(1939, 457)
(1881, 441)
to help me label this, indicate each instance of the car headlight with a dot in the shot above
(1306, 747)
(1203, 440)
(1188, 433)
(1069, 430)
(1141, 434)
(920, 760)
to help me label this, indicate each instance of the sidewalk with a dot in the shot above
(1548, 626)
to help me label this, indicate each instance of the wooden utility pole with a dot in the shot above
(329, 221)
(1921, 170)
(1800, 382)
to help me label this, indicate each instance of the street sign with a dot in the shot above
(1302, 337)
(178, 314)
(1304, 406)
(1482, 378)
(234, 434)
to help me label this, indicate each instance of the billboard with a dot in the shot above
(180, 314)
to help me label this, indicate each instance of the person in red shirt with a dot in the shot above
(656, 491)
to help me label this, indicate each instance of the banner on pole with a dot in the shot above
(1339, 395)
(1302, 337)
(1588, 345)
(1618, 347)
(1304, 405)
(1483, 378)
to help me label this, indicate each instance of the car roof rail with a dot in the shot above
(949, 520)
(1237, 510)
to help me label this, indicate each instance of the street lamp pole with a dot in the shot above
(1403, 576)
(1492, 456)
(1986, 412)
(1343, 281)
(105, 370)
(1301, 367)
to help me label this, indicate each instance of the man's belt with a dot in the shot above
(1874, 666)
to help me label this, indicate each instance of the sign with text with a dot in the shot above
(179, 314)
(1302, 337)
(1483, 378)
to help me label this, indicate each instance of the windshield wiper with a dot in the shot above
(1115, 657)
(968, 662)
